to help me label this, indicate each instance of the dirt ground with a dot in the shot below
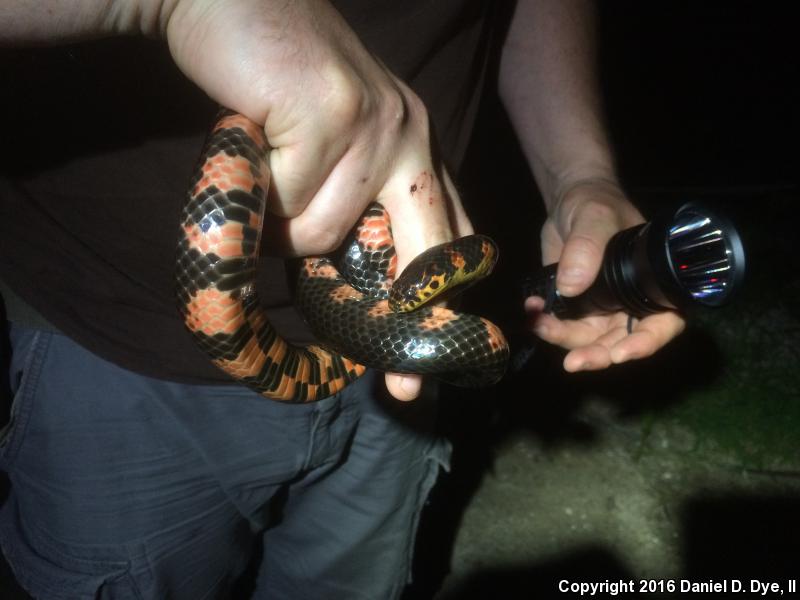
(625, 505)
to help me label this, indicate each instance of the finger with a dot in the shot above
(534, 305)
(300, 168)
(335, 208)
(403, 386)
(567, 334)
(459, 220)
(650, 334)
(418, 209)
(617, 331)
(596, 355)
(421, 212)
(587, 358)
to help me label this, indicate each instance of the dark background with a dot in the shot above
(700, 98)
(702, 94)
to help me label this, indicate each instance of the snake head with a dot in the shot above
(448, 268)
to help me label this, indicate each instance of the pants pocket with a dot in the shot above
(48, 569)
(29, 349)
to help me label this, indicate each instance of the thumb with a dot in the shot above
(403, 387)
(418, 212)
(594, 212)
(581, 256)
(597, 215)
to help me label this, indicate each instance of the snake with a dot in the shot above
(360, 313)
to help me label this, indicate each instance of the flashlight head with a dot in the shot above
(698, 256)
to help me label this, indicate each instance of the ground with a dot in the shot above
(683, 467)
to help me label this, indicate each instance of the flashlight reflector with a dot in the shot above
(706, 255)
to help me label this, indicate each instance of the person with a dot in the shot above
(136, 469)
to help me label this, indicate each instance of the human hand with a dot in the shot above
(575, 235)
(344, 131)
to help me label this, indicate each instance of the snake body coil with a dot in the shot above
(218, 251)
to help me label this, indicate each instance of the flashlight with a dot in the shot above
(681, 259)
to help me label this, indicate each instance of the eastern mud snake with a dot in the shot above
(220, 235)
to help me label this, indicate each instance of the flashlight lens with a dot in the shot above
(702, 256)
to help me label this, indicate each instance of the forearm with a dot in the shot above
(52, 21)
(548, 87)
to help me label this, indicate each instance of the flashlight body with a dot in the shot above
(690, 257)
(625, 282)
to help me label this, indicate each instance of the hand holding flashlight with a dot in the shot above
(692, 257)
(576, 233)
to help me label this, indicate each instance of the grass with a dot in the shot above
(753, 410)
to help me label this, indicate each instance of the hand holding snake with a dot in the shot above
(342, 130)
(360, 320)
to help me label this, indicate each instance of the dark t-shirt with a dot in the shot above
(99, 142)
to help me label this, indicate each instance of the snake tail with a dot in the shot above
(218, 251)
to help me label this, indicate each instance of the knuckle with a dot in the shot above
(345, 96)
(352, 100)
(417, 113)
(346, 104)
(322, 238)
(401, 108)
(393, 111)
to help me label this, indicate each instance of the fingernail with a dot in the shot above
(409, 385)
(541, 330)
(576, 368)
(571, 276)
(534, 303)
